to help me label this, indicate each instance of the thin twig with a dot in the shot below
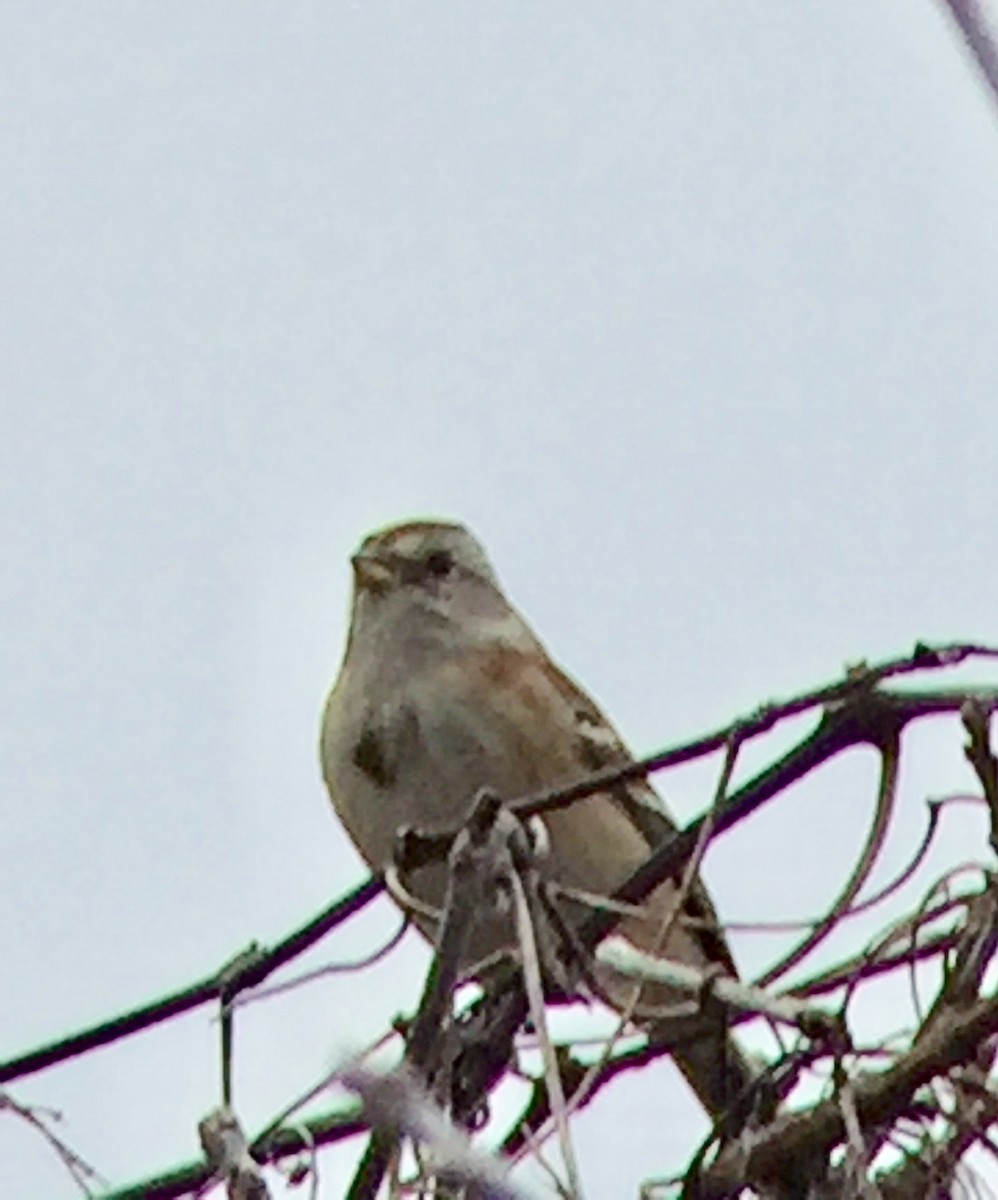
(879, 1100)
(203, 992)
(82, 1173)
(973, 27)
(982, 758)
(345, 967)
(886, 796)
(739, 997)
(535, 999)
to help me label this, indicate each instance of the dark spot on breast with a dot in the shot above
(369, 756)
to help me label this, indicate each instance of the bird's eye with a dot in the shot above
(439, 564)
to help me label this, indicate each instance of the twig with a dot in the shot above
(533, 1126)
(879, 1100)
(886, 795)
(82, 1172)
(228, 1156)
(347, 966)
(206, 990)
(973, 27)
(535, 1000)
(862, 967)
(324, 1130)
(981, 757)
(743, 998)
(265, 1135)
(934, 808)
(857, 1157)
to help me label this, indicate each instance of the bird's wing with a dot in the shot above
(619, 826)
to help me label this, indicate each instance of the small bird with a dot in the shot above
(444, 690)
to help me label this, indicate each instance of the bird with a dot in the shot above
(444, 690)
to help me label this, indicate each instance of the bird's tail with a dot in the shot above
(733, 1093)
(717, 1071)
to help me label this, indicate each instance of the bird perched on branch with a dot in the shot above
(444, 689)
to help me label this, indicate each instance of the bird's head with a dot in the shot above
(423, 575)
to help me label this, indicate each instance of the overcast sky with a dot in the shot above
(688, 309)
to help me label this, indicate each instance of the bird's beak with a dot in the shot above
(370, 573)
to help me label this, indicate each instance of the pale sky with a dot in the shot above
(688, 309)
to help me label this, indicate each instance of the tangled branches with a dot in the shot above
(838, 1116)
(845, 1138)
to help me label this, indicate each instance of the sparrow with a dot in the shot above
(444, 690)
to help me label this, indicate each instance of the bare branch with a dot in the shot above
(886, 795)
(981, 757)
(879, 1100)
(740, 997)
(225, 1148)
(973, 28)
